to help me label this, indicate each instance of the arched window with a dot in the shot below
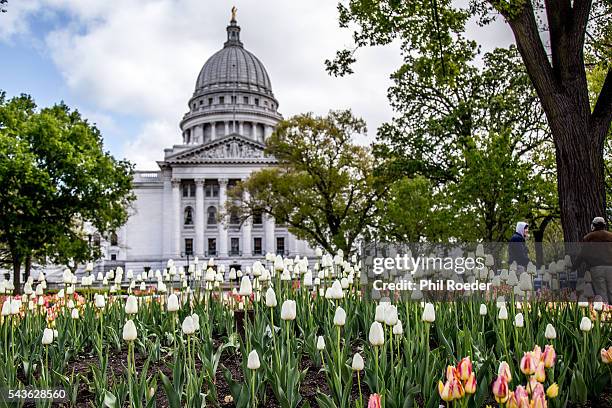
(188, 216)
(212, 215)
(114, 240)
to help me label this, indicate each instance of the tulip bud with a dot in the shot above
(131, 305)
(470, 384)
(586, 325)
(429, 313)
(391, 316)
(129, 331)
(464, 368)
(549, 356)
(503, 313)
(253, 360)
(519, 320)
(357, 364)
(340, 317)
(271, 297)
(398, 329)
(173, 303)
(377, 334)
(528, 364)
(500, 389)
(246, 287)
(483, 309)
(99, 301)
(74, 314)
(188, 326)
(550, 333)
(47, 337)
(444, 389)
(379, 314)
(552, 391)
(504, 370)
(320, 343)
(288, 310)
(540, 372)
(606, 355)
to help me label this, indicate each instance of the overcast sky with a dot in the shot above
(130, 66)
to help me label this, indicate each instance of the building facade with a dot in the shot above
(176, 213)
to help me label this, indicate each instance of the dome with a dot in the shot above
(233, 67)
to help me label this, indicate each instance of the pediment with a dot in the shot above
(231, 148)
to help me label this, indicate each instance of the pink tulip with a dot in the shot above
(549, 356)
(464, 368)
(528, 364)
(374, 401)
(470, 384)
(504, 370)
(500, 389)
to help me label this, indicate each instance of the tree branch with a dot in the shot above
(602, 113)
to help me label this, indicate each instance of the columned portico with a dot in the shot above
(269, 227)
(223, 226)
(246, 232)
(199, 218)
(176, 217)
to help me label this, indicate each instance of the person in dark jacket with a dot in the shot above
(517, 248)
(596, 252)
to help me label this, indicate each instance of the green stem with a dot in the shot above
(360, 395)
(253, 400)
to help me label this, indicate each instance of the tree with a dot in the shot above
(323, 187)
(437, 30)
(54, 173)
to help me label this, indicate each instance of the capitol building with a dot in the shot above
(179, 211)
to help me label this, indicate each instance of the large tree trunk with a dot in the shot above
(17, 274)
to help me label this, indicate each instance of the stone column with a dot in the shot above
(223, 227)
(226, 128)
(176, 217)
(293, 245)
(246, 232)
(167, 218)
(199, 218)
(213, 131)
(270, 245)
(241, 128)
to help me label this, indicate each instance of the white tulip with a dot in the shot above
(196, 321)
(246, 287)
(585, 324)
(129, 331)
(253, 360)
(391, 316)
(131, 305)
(398, 328)
(357, 364)
(288, 310)
(377, 334)
(519, 320)
(188, 326)
(6, 307)
(173, 303)
(74, 314)
(340, 317)
(308, 279)
(483, 309)
(598, 306)
(429, 313)
(320, 343)
(550, 333)
(379, 314)
(99, 301)
(271, 298)
(318, 252)
(503, 313)
(70, 304)
(47, 337)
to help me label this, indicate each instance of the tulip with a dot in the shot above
(398, 329)
(271, 298)
(47, 337)
(288, 310)
(358, 363)
(585, 324)
(538, 397)
(606, 355)
(483, 309)
(173, 303)
(6, 307)
(246, 287)
(374, 401)
(444, 389)
(512, 401)
(391, 316)
(451, 373)
(320, 343)
(340, 317)
(503, 313)
(470, 384)
(550, 333)
(99, 301)
(549, 356)
(519, 320)
(129, 331)
(377, 334)
(500, 389)
(464, 368)
(253, 361)
(521, 397)
(188, 326)
(74, 314)
(528, 364)
(504, 370)
(429, 313)
(379, 314)
(552, 391)
(457, 389)
(540, 372)
(131, 305)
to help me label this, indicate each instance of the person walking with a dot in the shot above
(596, 252)
(517, 248)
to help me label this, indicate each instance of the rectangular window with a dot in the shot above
(233, 100)
(113, 257)
(221, 100)
(212, 246)
(257, 249)
(245, 100)
(201, 102)
(210, 101)
(188, 246)
(280, 245)
(235, 246)
(256, 101)
(257, 218)
(211, 189)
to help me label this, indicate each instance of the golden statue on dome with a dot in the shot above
(234, 11)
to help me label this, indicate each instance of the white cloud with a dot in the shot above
(147, 146)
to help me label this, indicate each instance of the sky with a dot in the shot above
(130, 66)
